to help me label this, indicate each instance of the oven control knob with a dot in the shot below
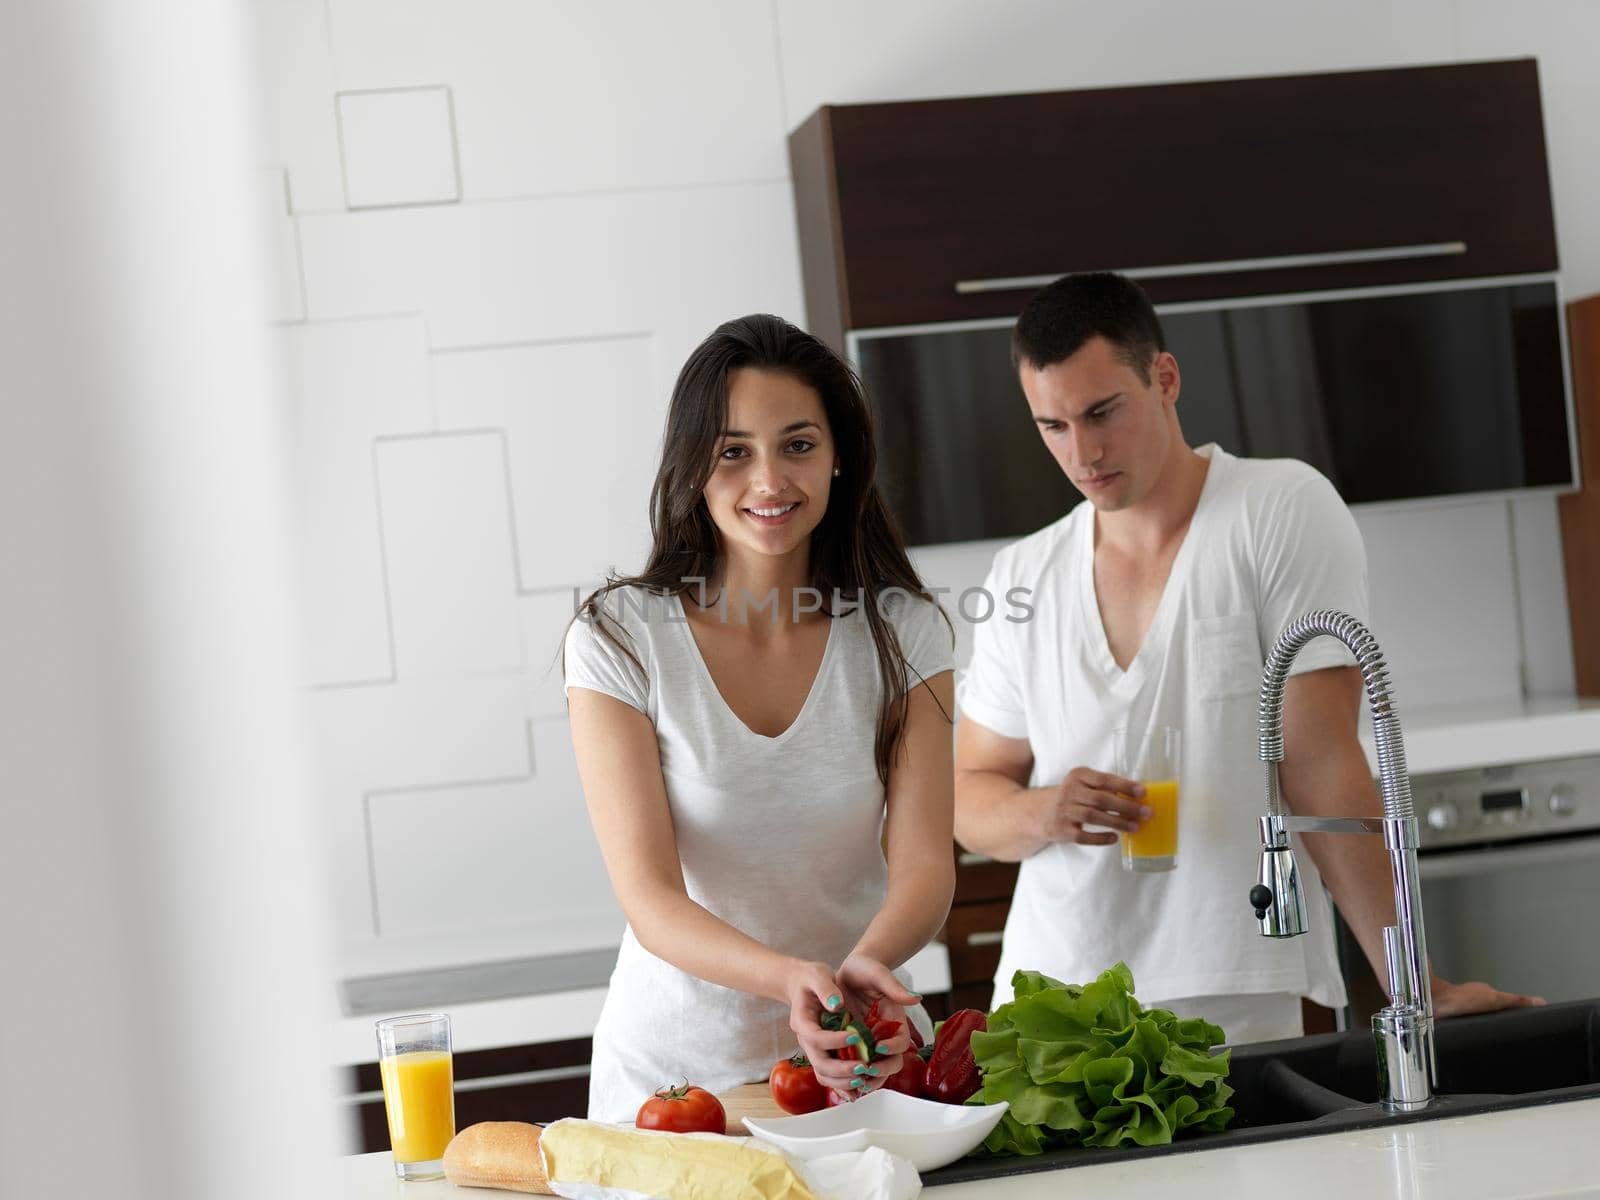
(1562, 801)
(1442, 817)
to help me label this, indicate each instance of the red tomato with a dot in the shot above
(911, 1078)
(795, 1087)
(683, 1109)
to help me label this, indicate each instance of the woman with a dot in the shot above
(753, 714)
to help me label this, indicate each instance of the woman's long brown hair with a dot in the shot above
(856, 549)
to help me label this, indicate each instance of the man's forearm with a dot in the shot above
(1354, 867)
(1355, 870)
(1325, 774)
(996, 816)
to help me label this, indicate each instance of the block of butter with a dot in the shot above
(590, 1159)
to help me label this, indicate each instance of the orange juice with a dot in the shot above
(419, 1095)
(1158, 836)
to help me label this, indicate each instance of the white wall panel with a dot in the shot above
(285, 292)
(1542, 597)
(453, 858)
(427, 734)
(421, 733)
(576, 890)
(676, 263)
(517, 856)
(1444, 601)
(838, 52)
(399, 147)
(448, 552)
(545, 617)
(560, 97)
(297, 93)
(583, 429)
(1563, 35)
(350, 382)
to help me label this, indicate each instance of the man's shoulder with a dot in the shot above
(1273, 476)
(1272, 503)
(1040, 552)
(1280, 493)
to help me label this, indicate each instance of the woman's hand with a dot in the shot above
(866, 982)
(811, 991)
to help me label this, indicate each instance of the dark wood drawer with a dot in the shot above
(979, 878)
(972, 935)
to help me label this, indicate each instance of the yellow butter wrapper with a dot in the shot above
(674, 1166)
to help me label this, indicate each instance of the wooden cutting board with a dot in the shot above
(748, 1100)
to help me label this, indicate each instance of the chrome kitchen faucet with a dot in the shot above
(1407, 1068)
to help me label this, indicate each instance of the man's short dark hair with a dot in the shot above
(1060, 318)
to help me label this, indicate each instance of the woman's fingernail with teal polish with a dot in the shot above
(833, 1002)
(874, 1072)
(852, 1040)
(916, 995)
(855, 1083)
(861, 1070)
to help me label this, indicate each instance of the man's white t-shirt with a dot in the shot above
(1270, 540)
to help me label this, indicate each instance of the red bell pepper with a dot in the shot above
(912, 1078)
(952, 1071)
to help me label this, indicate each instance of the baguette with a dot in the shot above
(497, 1154)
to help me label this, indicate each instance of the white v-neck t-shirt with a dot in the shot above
(779, 836)
(1270, 540)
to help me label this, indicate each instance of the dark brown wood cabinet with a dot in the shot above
(1580, 513)
(972, 930)
(898, 203)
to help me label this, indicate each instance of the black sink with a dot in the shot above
(1313, 1085)
(1519, 1053)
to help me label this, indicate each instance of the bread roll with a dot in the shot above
(497, 1154)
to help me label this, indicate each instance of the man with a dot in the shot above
(1155, 604)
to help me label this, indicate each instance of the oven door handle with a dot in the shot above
(1453, 864)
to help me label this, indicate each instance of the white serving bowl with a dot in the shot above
(926, 1132)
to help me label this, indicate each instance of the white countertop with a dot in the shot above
(1460, 737)
(1532, 1152)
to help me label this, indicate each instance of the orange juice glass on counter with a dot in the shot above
(1152, 755)
(418, 1091)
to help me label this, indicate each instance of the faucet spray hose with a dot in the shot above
(1394, 779)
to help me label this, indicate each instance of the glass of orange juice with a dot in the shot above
(1151, 755)
(418, 1091)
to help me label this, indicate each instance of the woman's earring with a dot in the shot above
(836, 472)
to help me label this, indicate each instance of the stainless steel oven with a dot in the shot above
(1510, 864)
